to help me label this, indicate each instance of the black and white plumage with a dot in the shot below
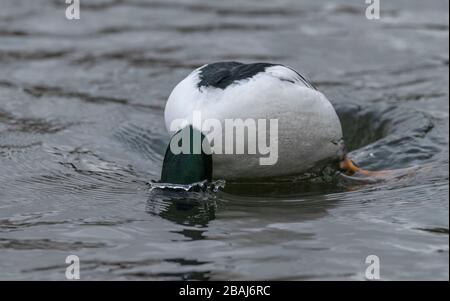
(222, 74)
(309, 130)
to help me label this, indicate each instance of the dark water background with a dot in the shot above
(81, 135)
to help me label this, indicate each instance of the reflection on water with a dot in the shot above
(183, 207)
(82, 136)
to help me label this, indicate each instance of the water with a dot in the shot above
(82, 136)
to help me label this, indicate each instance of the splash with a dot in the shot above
(203, 186)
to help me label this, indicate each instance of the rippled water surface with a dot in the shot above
(82, 136)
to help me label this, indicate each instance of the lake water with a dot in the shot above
(82, 135)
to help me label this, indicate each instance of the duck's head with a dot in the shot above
(185, 161)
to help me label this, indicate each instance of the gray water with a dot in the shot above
(82, 135)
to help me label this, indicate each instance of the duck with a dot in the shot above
(308, 129)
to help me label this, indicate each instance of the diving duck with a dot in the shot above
(308, 134)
